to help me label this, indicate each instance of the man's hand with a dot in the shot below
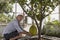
(28, 33)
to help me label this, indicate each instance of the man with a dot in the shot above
(13, 30)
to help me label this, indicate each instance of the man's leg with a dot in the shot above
(16, 39)
(6, 39)
(14, 34)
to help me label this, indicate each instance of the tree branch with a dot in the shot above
(48, 14)
(30, 16)
(28, 6)
(36, 22)
(44, 9)
(25, 11)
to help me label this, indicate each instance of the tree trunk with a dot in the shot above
(39, 30)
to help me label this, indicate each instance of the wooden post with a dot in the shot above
(59, 12)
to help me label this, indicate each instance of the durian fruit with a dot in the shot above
(33, 30)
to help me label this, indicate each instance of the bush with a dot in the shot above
(52, 28)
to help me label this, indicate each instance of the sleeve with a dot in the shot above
(17, 27)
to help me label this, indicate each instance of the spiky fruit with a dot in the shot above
(33, 30)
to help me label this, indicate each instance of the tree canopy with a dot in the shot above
(5, 7)
(4, 18)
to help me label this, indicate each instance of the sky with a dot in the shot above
(55, 14)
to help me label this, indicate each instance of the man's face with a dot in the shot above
(19, 18)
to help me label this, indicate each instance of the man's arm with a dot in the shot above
(20, 30)
(17, 37)
(25, 32)
(20, 35)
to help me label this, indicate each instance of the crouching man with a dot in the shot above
(13, 30)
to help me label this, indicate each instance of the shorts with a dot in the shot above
(11, 35)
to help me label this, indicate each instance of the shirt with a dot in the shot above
(12, 26)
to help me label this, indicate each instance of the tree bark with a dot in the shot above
(39, 30)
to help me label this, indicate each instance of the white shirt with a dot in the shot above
(12, 26)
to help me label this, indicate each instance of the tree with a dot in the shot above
(4, 18)
(5, 7)
(37, 10)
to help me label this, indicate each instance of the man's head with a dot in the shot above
(19, 17)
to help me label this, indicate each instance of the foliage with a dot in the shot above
(52, 29)
(35, 6)
(5, 7)
(56, 23)
(4, 18)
